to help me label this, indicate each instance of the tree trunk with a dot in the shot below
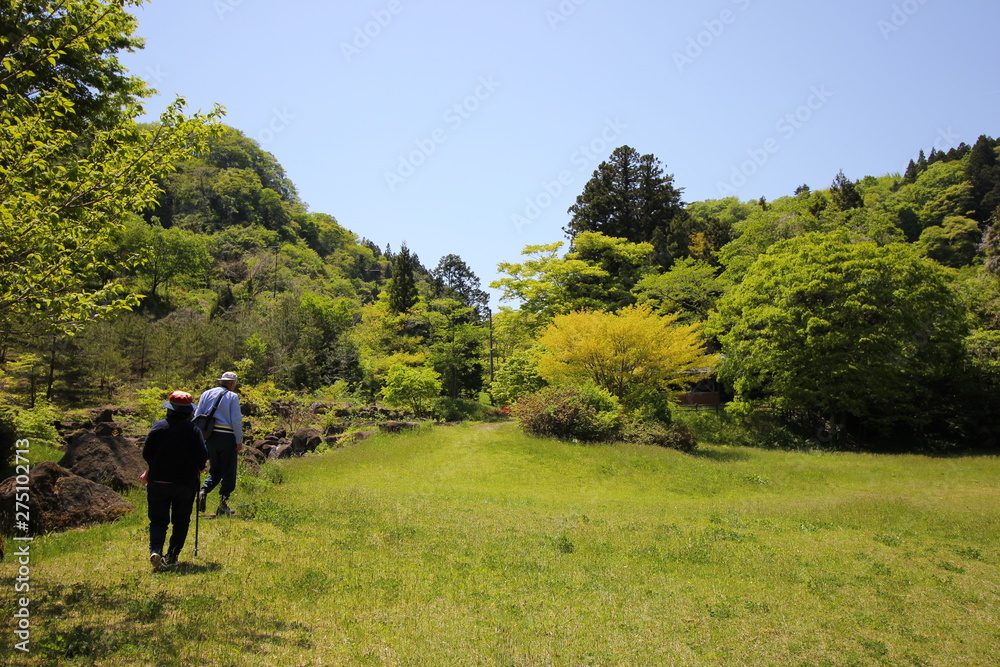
(52, 371)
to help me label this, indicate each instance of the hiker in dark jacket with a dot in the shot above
(176, 454)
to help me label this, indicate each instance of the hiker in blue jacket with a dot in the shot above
(176, 454)
(225, 441)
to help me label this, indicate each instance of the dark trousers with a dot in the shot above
(169, 503)
(221, 463)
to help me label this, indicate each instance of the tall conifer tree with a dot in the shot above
(845, 193)
(631, 197)
(403, 286)
(983, 172)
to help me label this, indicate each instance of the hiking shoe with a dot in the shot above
(224, 508)
(157, 562)
(202, 496)
(170, 558)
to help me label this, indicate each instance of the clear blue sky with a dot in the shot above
(470, 127)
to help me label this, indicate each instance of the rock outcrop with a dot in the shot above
(306, 440)
(58, 500)
(109, 460)
(398, 426)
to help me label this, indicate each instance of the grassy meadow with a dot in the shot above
(477, 545)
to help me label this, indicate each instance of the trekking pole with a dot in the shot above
(196, 515)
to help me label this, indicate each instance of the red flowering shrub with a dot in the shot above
(587, 414)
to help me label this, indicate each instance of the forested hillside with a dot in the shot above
(236, 273)
(861, 311)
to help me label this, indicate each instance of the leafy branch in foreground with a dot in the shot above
(71, 172)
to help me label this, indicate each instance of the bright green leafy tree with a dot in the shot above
(598, 273)
(414, 388)
(540, 283)
(842, 331)
(516, 376)
(70, 48)
(762, 229)
(690, 288)
(168, 254)
(953, 243)
(384, 339)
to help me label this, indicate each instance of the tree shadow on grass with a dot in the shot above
(76, 623)
(84, 623)
(721, 455)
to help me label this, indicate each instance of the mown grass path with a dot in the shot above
(479, 546)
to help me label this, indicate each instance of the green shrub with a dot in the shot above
(411, 388)
(644, 432)
(680, 437)
(268, 407)
(150, 402)
(515, 377)
(36, 425)
(338, 392)
(583, 413)
(651, 432)
(654, 408)
(459, 409)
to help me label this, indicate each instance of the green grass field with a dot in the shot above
(479, 546)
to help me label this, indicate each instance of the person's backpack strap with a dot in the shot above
(207, 422)
(217, 401)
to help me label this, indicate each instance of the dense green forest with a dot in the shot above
(139, 257)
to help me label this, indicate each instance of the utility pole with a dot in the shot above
(489, 313)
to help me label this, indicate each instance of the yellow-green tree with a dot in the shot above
(598, 273)
(633, 354)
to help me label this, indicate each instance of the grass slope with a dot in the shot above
(480, 546)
